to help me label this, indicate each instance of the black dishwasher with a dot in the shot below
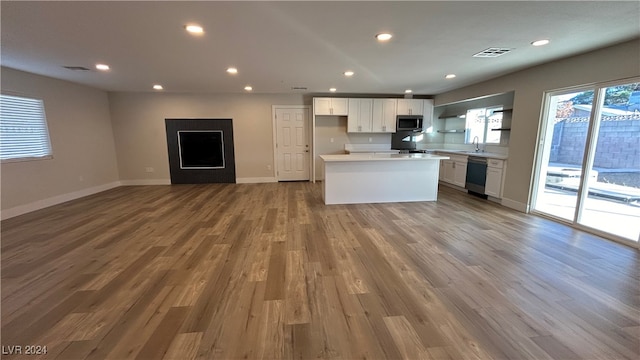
(476, 175)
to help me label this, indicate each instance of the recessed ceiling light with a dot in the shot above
(384, 37)
(540, 42)
(232, 70)
(450, 76)
(194, 29)
(102, 67)
(248, 88)
(157, 87)
(333, 89)
(348, 73)
(408, 91)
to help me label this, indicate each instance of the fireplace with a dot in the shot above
(200, 151)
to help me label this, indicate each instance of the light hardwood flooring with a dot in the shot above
(267, 271)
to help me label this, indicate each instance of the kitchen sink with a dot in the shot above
(473, 153)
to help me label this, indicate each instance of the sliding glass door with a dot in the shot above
(611, 200)
(588, 166)
(561, 166)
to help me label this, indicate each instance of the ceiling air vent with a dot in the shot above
(492, 52)
(298, 88)
(76, 68)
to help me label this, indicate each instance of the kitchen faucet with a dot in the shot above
(476, 141)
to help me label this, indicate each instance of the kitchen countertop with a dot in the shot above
(473, 153)
(381, 157)
(369, 148)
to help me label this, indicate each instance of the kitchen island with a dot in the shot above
(378, 178)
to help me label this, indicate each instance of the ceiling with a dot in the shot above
(279, 45)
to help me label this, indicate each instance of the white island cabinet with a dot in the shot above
(380, 178)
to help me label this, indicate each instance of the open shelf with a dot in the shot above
(449, 116)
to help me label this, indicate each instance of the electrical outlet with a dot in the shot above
(370, 139)
(268, 167)
(148, 169)
(331, 140)
(81, 178)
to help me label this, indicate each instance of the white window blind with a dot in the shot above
(23, 128)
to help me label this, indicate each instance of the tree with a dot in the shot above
(564, 110)
(614, 95)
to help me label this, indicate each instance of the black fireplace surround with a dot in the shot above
(201, 151)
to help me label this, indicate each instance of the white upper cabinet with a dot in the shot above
(427, 114)
(360, 115)
(410, 106)
(384, 115)
(330, 106)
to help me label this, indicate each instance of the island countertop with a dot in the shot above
(381, 157)
(376, 178)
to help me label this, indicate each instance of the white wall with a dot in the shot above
(84, 157)
(615, 62)
(139, 127)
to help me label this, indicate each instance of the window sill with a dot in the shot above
(5, 161)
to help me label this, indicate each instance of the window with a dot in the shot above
(23, 129)
(480, 122)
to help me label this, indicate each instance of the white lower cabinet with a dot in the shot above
(454, 170)
(448, 169)
(493, 186)
(460, 172)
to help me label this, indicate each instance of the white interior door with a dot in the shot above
(292, 144)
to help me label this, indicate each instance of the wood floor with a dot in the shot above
(267, 271)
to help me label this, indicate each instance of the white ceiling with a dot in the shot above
(279, 45)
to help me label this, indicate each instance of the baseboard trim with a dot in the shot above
(256, 180)
(449, 185)
(145, 182)
(515, 205)
(55, 200)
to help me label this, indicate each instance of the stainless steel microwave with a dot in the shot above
(409, 123)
